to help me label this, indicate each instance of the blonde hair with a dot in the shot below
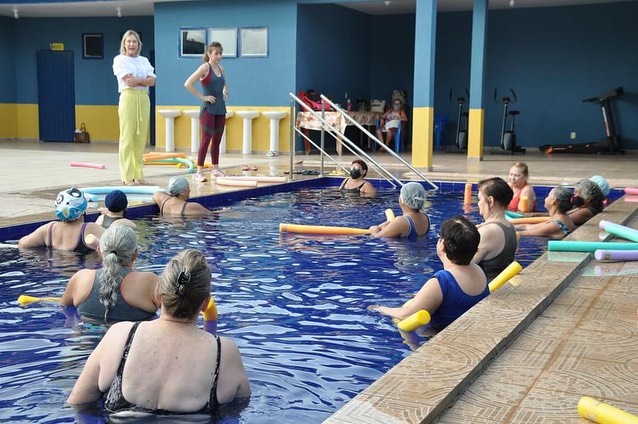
(125, 36)
(184, 284)
(523, 167)
(212, 46)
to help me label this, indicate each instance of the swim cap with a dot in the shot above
(116, 201)
(602, 183)
(70, 204)
(177, 185)
(413, 195)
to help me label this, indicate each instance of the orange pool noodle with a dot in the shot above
(320, 229)
(600, 412)
(467, 197)
(529, 220)
(523, 204)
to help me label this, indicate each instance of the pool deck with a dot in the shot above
(565, 328)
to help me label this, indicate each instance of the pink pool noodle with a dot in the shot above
(87, 165)
(616, 255)
(631, 198)
(631, 190)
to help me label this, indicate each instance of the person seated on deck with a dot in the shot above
(176, 202)
(518, 176)
(559, 224)
(453, 290)
(69, 233)
(115, 292)
(498, 236)
(112, 214)
(357, 183)
(390, 122)
(413, 222)
(587, 200)
(166, 366)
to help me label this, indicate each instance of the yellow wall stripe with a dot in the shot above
(422, 137)
(476, 137)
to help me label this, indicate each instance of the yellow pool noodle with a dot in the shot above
(320, 229)
(505, 275)
(210, 314)
(600, 412)
(414, 321)
(24, 300)
(389, 214)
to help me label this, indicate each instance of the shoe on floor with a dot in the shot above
(217, 173)
(200, 177)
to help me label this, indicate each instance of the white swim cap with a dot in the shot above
(602, 183)
(177, 185)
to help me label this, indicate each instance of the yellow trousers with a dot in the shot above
(134, 111)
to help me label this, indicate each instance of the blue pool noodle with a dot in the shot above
(619, 230)
(587, 246)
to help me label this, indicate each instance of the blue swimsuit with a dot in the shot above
(455, 301)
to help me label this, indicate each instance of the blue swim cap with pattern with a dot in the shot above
(70, 204)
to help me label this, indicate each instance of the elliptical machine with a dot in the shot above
(508, 137)
(461, 123)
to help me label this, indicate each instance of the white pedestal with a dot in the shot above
(170, 115)
(195, 137)
(247, 139)
(222, 145)
(275, 117)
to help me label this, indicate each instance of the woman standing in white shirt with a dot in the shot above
(134, 75)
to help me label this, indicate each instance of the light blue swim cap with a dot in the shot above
(413, 195)
(177, 185)
(602, 183)
(70, 204)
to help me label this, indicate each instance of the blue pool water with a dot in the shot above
(295, 304)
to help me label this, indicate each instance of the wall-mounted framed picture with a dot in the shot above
(228, 39)
(192, 42)
(93, 46)
(254, 42)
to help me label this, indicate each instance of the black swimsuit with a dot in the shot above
(351, 190)
(115, 401)
(166, 200)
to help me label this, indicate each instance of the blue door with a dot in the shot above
(56, 95)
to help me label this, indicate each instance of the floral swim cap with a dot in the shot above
(70, 204)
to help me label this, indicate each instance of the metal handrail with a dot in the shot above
(345, 142)
(376, 140)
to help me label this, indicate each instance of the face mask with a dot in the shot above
(355, 173)
(577, 201)
(396, 107)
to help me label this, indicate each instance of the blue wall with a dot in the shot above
(8, 92)
(252, 81)
(553, 58)
(94, 80)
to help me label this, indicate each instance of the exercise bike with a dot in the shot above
(461, 124)
(610, 144)
(508, 137)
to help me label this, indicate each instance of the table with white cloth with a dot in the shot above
(308, 121)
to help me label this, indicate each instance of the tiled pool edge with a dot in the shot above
(422, 386)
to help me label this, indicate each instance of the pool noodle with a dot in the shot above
(125, 189)
(170, 161)
(414, 321)
(24, 300)
(258, 178)
(87, 165)
(210, 314)
(237, 183)
(587, 246)
(631, 198)
(504, 276)
(616, 255)
(8, 246)
(619, 230)
(513, 214)
(320, 229)
(389, 214)
(600, 412)
(467, 195)
(528, 220)
(631, 190)
(160, 155)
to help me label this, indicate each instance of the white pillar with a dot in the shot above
(275, 117)
(222, 145)
(195, 137)
(247, 139)
(170, 115)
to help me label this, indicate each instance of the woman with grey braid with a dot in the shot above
(167, 366)
(115, 292)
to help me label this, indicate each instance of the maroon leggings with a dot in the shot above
(212, 131)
